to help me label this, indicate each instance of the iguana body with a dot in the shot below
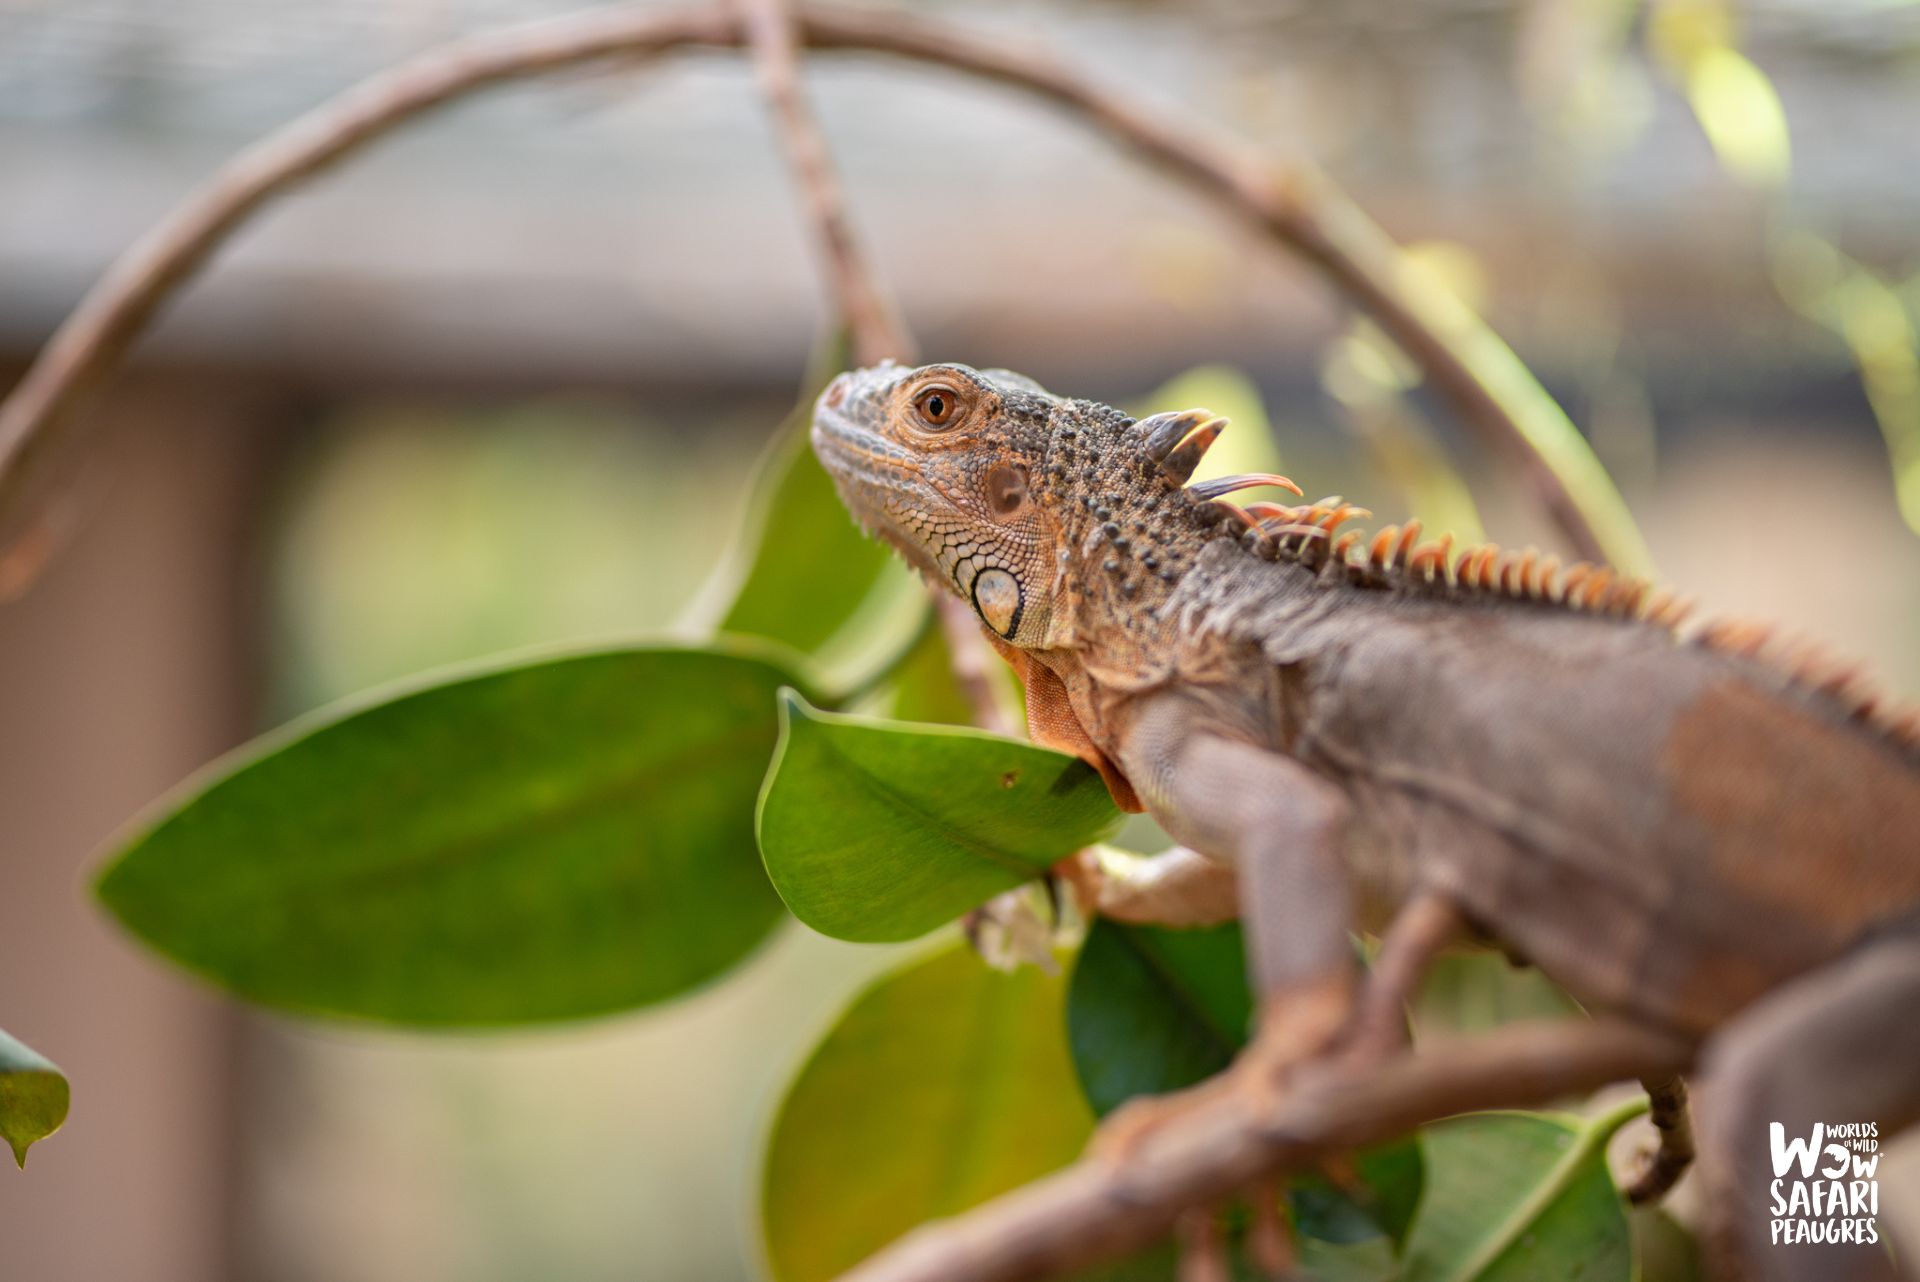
(1684, 828)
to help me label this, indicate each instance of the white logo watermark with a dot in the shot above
(1825, 1187)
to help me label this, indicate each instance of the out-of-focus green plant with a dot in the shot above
(1878, 326)
(1697, 43)
(33, 1098)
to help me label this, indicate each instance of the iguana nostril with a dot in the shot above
(836, 393)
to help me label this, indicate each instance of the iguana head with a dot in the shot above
(1040, 511)
(945, 462)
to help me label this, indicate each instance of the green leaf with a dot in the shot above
(876, 831)
(810, 568)
(1512, 1197)
(923, 688)
(541, 841)
(1475, 992)
(33, 1097)
(1391, 1177)
(942, 1085)
(1664, 1250)
(1740, 112)
(1153, 1010)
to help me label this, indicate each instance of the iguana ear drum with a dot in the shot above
(996, 595)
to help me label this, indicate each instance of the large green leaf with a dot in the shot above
(33, 1097)
(1153, 1010)
(560, 838)
(1512, 1197)
(876, 831)
(943, 1084)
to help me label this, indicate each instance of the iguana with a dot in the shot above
(1694, 826)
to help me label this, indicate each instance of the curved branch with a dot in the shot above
(1470, 365)
(91, 341)
(1097, 1211)
(875, 330)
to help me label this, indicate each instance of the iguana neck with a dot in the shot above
(1128, 544)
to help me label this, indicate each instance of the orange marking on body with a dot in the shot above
(1796, 811)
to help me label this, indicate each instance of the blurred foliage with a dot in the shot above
(510, 527)
(1475, 992)
(33, 1098)
(1878, 326)
(809, 575)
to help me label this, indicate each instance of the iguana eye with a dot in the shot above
(936, 406)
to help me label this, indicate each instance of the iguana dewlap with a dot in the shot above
(1678, 824)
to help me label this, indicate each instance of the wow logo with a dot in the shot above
(1825, 1187)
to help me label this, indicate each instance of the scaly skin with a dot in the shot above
(1673, 828)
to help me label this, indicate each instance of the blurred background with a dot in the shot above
(501, 379)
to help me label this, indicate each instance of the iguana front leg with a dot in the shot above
(1281, 827)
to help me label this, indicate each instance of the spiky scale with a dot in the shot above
(1181, 461)
(1547, 579)
(1408, 538)
(1380, 550)
(1224, 485)
(1161, 432)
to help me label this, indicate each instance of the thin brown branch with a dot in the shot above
(876, 331)
(1300, 211)
(1097, 1210)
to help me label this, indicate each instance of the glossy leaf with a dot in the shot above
(566, 837)
(1512, 1197)
(875, 830)
(33, 1097)
(943, 1084)
(1153, 1010)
